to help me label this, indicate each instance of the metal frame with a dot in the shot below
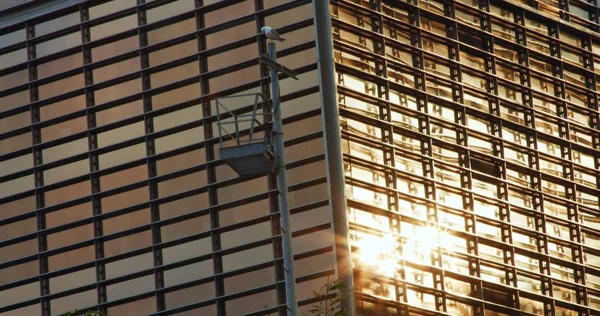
(93, 154)
(471, 160)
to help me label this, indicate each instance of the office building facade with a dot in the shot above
(443, 156)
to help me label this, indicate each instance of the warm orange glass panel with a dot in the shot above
(188, 250)
(130, 287)
(230, 35)
(127, 244)
(13, 79)
(15, 143)
(175, 74)
(242, 190)
(129, 265)
(243, 212)
(16, 251)
(10, 123)
(179, 95)
(232, 56)
(288, 17)
(16, 186)
(126, 221)
(71, 258)
(64, 129)
(248, 258)
(68, 171)
(188, 273)
(62, 86)
(115, 48)
(181, 184)
(119, 113)
(116, 70)
(252, 303)
(19, 272)
(58, 44)
(234, 78)
(67, 193)
(119, 201)
(113, 27)
(68, 215)
(190, 295)
(121, 178)
(173, 52)
(19, 294)
(14, 208)
(19, 228)
(118, 91)
(75, 301)
(169, 10)
(307, 195)
(59, 23)
(245, 235)
(13, 58)
(143, 307)
(71, 148)
(185, 228)
(229, 13)
(250, 280)
(14, 100)
(181, 161)
(63, 107)
(71, 236)
(72, 280)
(59, 65)
(184, 206)
(110, 7)
(171, 31)
(122, 156)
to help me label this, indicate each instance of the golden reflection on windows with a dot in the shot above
(114, 48)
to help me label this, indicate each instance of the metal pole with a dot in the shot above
(333, 153)
(286, 233)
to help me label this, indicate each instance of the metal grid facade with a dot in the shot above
(471, 149)
(111, 194)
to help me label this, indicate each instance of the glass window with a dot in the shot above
(110, 7)
(115, 48)
(129, 198)
(176, 96)
(70, 149)
(251, 303)
(116, 70)
(126, 244)
(144, 306)
(169, 10)
(64, 129)
(13, 58)
(68, 171)
(68, 215)
(63, 107)
(181, 161)
(14, 100)
(188, 273)
(113, 27)
(183, 183)
(57, 24)
(187, 250)
(16, 186)
(75, 301)
(185, 206)
(71, 258)
(232, 56)
(118, 91)
(245, 235)
(19, 272)
(62, 86)
(229, 13)
(190, 295)
(175, 74)
(119, 113)
(178, 140)
(72, 280)
(17, 207)
(19, 228)
(19, 294)
(247, 258)
(230, 35)
(234, 78)
(126, 221)
(171, 31)
(13, 79)
(10, 123)
(124, 177)
(58, 44)
(173, 52)
(12, 38)
(185, 228)
(130, 265)
(130, 287)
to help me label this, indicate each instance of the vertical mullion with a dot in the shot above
(93, 157)
(210, 169)
(271, 177)
(40, 202)
(150, 161)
